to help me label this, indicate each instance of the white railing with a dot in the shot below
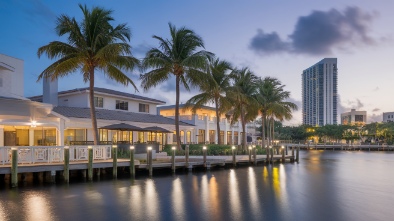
(53, 154)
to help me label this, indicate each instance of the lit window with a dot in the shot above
(122, 105)
(144, 108)
(98, 101)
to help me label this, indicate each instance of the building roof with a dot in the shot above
(101, 90)
(103, 114)
(169, 107)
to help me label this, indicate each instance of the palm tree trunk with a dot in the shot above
(217, 120)
(273, 129)
(178, 139)
(263, 134)
(92, 107)
(243, 130)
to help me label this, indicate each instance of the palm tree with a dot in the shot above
(271, 97)
(93, 44)
(242, 95)
(176, 56)
(214, 87)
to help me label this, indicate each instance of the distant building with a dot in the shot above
(388, 117)
(354, 117)
(320, 93)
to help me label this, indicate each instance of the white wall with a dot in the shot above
(12, 82)
(74, 100)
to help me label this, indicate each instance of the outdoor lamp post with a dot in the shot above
(132, 166)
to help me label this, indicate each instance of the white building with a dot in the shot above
(354, 117)
(320, 93)
(388, 117)
(205, 129)
(64, 117)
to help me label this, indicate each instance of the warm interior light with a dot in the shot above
(131, 147)
(33, 123)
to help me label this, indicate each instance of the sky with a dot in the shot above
(277, 38)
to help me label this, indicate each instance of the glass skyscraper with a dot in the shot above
(320, 93)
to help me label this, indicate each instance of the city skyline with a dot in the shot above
(262, 39)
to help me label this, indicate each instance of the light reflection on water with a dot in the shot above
(324, 186)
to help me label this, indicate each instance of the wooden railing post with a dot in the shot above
(14, 167)
(132, 165)
(66, 171)
(90, 163)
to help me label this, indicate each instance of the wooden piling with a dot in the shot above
(132, 166)
(66, 171)
(250, 154)
(187, 156)
(283, 155)
(150, 161)
(268, 154)
(204, 153)
(14, 167)
(272, 155)
(114, 161)
(234, 156)
(254, 155)
(173, 159)
(298, 153)
(90, 163)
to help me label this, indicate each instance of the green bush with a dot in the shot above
(212, 150)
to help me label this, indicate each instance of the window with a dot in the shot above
(144, 108)
(122, 105)
(98, 102)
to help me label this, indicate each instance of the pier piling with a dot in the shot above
(298, 154)
(173, 159)
(234, 152)
(187, 155)
(283, 154)
(66, 172)
(150, 161)
(90, 163)
(204, 152)
(115, 161)
(14, 167)
(132, 166)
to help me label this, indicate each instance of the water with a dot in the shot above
(326, 185)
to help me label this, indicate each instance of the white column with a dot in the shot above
(225, 132)
(60, 133)
(206, 118)
(31, 137)
(239, 132)
(1, 136)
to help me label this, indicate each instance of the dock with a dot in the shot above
(55, 163)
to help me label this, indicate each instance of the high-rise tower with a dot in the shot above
(320, 93)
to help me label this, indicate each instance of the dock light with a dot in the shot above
(233, 147)
(114, 146)
(33, 123)
(250, 147)
(204, 147)
(131, 147)
(149, 148)
(90, 147)
(283, 147)
(173, 148)
(270, 146)
(14, 148)
(66, 147)
(254, 146)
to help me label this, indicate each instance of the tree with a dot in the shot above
(176, 56)
(242, 95)
(93, 44)
(214, 87)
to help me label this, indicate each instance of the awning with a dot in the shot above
(123, 127)
(157, 129)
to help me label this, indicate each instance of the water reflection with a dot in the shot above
(177, 197)
(3, 215)
(253, 192)
(152, 200)
(37, 207)
(234, 195)
(214, 199)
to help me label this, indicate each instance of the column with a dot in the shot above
(31, 137)
(1, 135)
(60, 133)
(225, 132)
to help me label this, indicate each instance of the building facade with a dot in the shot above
(320, 93)
(205, 129)
(388, 117)
(354, 117)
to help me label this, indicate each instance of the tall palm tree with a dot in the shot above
(272, 97)
(242, 95)
(93, 44)
(214, 87)
(176, 56)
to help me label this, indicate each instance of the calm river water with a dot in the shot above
(325, 185)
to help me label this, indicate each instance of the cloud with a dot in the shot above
(319, 33)
(375, 118)
(357, 104)
(375, 110)
(376, 89)
(38, 12)
(268, 43)
(140, 50)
